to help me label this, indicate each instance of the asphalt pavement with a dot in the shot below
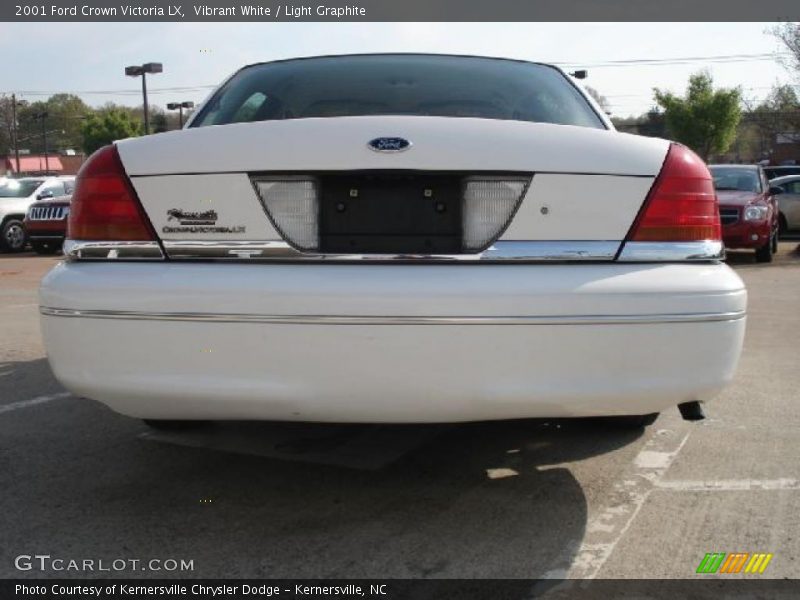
(520, 499)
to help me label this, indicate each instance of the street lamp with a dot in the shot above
(142, 71)
(15, 125)
(42, 116)
(179, 106)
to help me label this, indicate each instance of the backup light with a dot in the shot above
(489, 205)
(104, 205)
(293, 208)
(682, 205)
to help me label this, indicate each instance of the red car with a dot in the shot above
(748, 209)
(46, 224)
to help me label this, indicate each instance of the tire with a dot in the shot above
(764, 254)
(775, 241)
(172, 425)
(12, 236)
(46, 247)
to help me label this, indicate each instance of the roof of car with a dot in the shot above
(750, 167)
(444, 54)
(785, 179)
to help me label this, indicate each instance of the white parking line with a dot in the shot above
(4, 408)
(609, 525)
(730, 485)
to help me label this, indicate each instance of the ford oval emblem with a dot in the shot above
(389, 144)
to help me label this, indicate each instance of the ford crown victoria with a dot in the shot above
(394, 238)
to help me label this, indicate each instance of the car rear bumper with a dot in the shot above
(392, 343)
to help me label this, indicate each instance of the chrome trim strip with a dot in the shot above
(77, 249)
(502, 251)
(671, 251)
(393, 320)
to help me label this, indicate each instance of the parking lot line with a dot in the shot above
(731, 485)
(628, 495)
(32, 402)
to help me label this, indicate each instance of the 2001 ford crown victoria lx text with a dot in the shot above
(394, 238)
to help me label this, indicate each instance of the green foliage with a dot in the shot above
(705, 119)
(107, 125)
(65, 113)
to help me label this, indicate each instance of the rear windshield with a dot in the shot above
(736, 179)
(442, 86)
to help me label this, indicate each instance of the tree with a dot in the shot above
(789, 36)
(65, 113)
(107, 125)
(705, 119)
(158, 121)
(598, 97)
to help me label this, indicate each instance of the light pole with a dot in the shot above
(179, 106)
(142, 71)
(14, 105)
(42, 116)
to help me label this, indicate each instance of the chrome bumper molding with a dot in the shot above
(77, 249)
(671, 251)
(502, 251)
(393, 320)
(499, 251)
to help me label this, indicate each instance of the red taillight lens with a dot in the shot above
(682, 205)
(104, 205)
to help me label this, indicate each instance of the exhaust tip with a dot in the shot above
(692, 411)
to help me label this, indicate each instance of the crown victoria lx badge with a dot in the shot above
(389, 144)
(197, 222)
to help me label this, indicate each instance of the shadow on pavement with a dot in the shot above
(476, 500)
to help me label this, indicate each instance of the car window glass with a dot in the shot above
(56, 187)
(420, 85)
(733, 179)
(792, 187)
(19, 189)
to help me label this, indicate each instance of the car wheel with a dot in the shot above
(764, 254)
(46, 247)
(13, 237)
(172, 424)
(775, 240)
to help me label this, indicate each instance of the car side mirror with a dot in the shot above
(774, 190)
(45, 194)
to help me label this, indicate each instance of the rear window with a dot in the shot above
(442, 86)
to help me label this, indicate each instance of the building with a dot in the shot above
(786, 149)
(38, 164)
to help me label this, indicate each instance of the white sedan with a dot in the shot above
(394, 238)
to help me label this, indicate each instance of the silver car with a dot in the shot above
(788, 201)
(16, 195)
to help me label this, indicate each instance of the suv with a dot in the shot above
(16, 196)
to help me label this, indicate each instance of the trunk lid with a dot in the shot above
(583, 184)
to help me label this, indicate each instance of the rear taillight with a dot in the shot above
(104, 205)
(682, 205)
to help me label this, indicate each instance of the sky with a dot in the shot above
(44, 58)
